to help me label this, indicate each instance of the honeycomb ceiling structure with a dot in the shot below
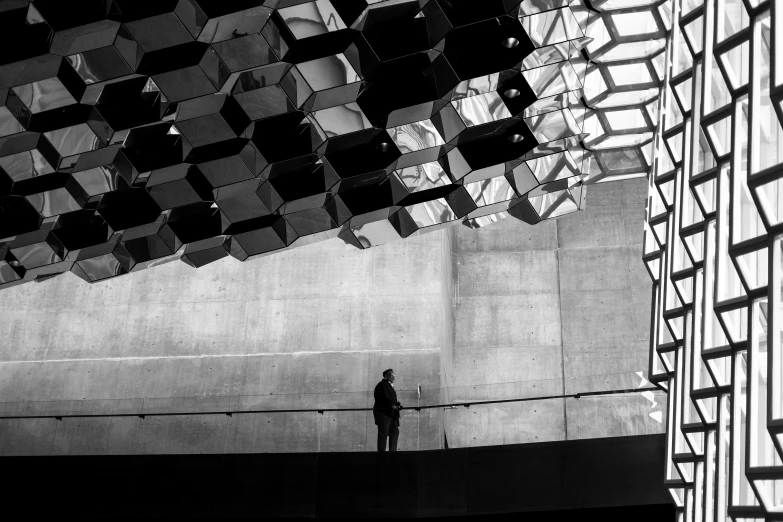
(137, 133)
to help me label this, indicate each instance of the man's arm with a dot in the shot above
(383, 399)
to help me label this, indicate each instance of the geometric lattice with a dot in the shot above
(622, 86)
(713, 241)
(135, 133)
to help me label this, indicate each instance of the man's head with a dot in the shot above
(389, 375)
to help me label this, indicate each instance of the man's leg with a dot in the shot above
(383, 431)
(394, 434)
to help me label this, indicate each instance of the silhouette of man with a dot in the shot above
(386, 412)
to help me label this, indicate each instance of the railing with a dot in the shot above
(412, 399)
(434, 418)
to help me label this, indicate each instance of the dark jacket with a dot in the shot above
(385, 399)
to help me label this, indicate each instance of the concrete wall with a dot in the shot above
(556, 309)
(314, 326)
(503, 312)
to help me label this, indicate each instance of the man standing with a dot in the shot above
(387, 412)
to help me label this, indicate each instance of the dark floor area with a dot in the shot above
(548, 481)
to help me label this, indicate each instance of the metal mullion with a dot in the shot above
(697, 344)
(676, 480)
(693, 230)
(706, 393)
(754, 11)
(738, 91)
(684, 22)
(729, 305)
(736, 346)
(751, 293)
(614, 88)
(701, 179)
(747, 246)
(710, 473)
(680, 81)
(754, 423)
(717, 353)
(679, 397)
(687, 385)
(668, 133)
(654, 325)
(774, 345)
(653, 10)
(716, 115)
(721, 472)
(690, 17)
(693, 427)
(754, 96)
(665, 287)
(707, 175)
(734, 426)
(769, 175)
(732, 41)
(733, 166)
(712, 118)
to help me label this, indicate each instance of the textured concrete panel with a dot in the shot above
(509, 423)
(620, 415)
(68, 333)
(274, 433)
(180, 377)
(535, 388)
(407, 267)
(507, 364)
(305, 373)
(329, 268)
(604, 195)
(599, 226)
(62, 380)
(431, 429)
(507, 273)
(508, 320)
(199, 328)
(610, 381)
(183, 434)
(642, 308)
(601, 357)
(308, 324)
(50, 296)
(344, 430)
(27, 436)
(633, 219)
(507, 235)
(411, 369)
(407, 322)
(123, 435)
(583, 269)
(597, 315)
(634, 192)
(85, 436)
(221, 281)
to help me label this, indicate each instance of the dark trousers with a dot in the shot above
(387, 429)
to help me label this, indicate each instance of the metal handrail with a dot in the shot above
(322, 410)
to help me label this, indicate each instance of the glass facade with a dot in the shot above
(713, 240)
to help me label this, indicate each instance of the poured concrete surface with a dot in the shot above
(508, 311)
(564, 308)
